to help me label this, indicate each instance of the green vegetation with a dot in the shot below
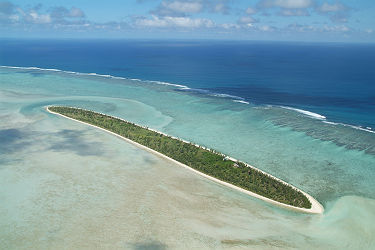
(203, 160)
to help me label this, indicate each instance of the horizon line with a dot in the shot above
(184, 39)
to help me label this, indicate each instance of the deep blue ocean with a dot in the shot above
(331, 79)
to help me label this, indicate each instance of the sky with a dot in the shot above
(275, 20)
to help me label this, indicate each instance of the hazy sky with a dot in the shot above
(306, 20)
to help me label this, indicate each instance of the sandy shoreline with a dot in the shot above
(316, 207)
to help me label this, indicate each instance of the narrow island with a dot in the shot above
(207, 162)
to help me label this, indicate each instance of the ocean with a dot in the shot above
(302, 112)
(331, 79)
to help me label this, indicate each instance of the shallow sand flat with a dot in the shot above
(113, 195)
(122, 198)
(126, 198)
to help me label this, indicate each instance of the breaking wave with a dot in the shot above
(307, 113)
(180, 87)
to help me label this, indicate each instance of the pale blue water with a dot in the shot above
(67, 185)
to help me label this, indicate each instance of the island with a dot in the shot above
(204, 161)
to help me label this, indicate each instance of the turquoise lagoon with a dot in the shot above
(67, 185)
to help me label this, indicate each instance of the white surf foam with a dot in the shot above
(323, 118)
(305, 112)
(183, 87)
(227, 96)
(241, 101)
(332, 123)
(168, 84)
(367, 129)
(99, 75)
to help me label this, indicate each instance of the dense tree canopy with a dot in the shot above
(201, 159)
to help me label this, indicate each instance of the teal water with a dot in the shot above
(66, 185)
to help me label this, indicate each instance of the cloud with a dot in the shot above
(335, 28)
(286, 4)
(190, 7)
(173, 22)
(247, 21)
(266, 28)
(183, 7)
(286, 7)
(177, 8)
(251, 11)
(294, 12)
(220, 8)
(62, 12)
(35, 16)
(12, 14)
(179, 15)
(326, 7)
(311, 28)
(337, 12)
(230, 26)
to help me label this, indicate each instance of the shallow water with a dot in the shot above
(66, 185)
